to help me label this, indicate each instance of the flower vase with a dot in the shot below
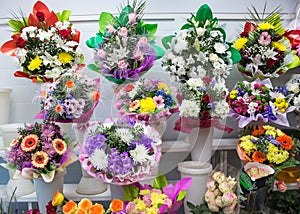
(199, 172)
(24, 186)
(255, 201)
(200, 140)
(116, 191)
(5, 104)
(159, 125)
(45, 191)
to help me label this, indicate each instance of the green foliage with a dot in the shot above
(198, 209)
(160, 182)
(106, 19)
(64, 15)
(284, 202)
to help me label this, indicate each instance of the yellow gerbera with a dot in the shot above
(65, 58)
(279, 46)
(35, 63)
(240, 43)
(147, 105)
(265, 26)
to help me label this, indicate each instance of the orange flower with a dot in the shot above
(15, 141)
(29, 143)
(285, 141)
(58, 199)
(116, 205)
(60, 146)
(58, 108)
(134, 105)
(85, 204)
(70, 207)
(259, 130)
(96, 95)
(129, 87)
(81, 211)
(70, 84)
(258, 157)
(39, 159)
(96, 209)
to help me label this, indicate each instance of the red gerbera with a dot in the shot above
(29, 143)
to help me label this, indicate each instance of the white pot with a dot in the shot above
(5, 104)
(89, 185)
(9, 132)
(199, 172)
(24, 186)
(201, 140)
(45, 191)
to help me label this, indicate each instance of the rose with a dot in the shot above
(212, 206)
(21, 43)
(123, 32)
(224, 186)
(205, 115)
(64, 33)
(219, 177)
(228, 198)
(281, 186)
(132, 18)
(40, 16)
(211, 185)
(229, 209)
(219, 202)
(207, 98)
(209, 196)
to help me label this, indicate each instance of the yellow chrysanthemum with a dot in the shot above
(265, 26)
(279, 46)
(163, 86)
(240, 43)
(157, 198)
(248, 146)
(276, 155)
(147, 105)
(145, 192)
(65, 58)
(279, 132)
(35, 63)
(270, 130)
(140, 204)
(233, 94)
(152, 210)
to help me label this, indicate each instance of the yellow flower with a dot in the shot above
(65, 58)
(145, 192)
(163, 86)
(279, 46)
(35, 63)
(157, 198)
(140, 204)
(240, 43)
(281, 104)
(265, 26)
(152, 210)
(58, 199)
(233, 94)
(248, 146)
(279, 132)
(276, 155)
(147, 105)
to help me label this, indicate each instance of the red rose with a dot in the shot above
(20, 42)
(65, 33)
(207, 80)
(270, 63)
(281, 186)
(205, 115)
(40, 16)
(294, 37)
(207, 98)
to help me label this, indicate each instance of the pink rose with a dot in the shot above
(224, 186)
(123, 32)
(122, 64)
(212, 206)
(228, 198)
(209, 196)
(211, 185)
(130, 207)
(217, 192)
(132, 18)
(110, 29)
(229, 209)
(219, 177)
(219, 202)
(281, 186)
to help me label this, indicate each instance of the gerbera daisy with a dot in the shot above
(29, 143)
(15, 141)
(258, 157)
(40, 159)
(286, 142)
(60, 146)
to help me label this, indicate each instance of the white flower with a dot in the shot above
(220, 88)
(189, 108)
(170, 56)
(252, 107)
(132, 93)
(293, 87)
(180, 46)
(99, 159)
(201, 71)
(43, 35)
(213, 57)
(276, 94)
(222, 109)
(125, 135)
(220, 48)
(182, 34)
(190, 60)
(152, 134)
(217, 65)
(200, 31)
(215, 33)
(139, 154)
(181, 71)
(297, 102)
(71, 43)
(270, 54)
(195, 83)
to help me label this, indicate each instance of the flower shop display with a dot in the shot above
(265, 51)
(71, 98)
(120, 151)
(293, 86)
(161, 197)
(45, 44)
(259, 101)
(199, 49)
(124, 47)
(294, 38)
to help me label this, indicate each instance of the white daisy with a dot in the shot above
(125, 135)
(189, 108)
(99, 159)
(139, 154)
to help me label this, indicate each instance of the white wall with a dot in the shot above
(170, 14)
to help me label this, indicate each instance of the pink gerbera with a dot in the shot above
(159, 102)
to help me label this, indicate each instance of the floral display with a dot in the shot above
(120, 151)
(257, 172)
(124, 47)
(268, 145)
(40, 150)
(71, 98)
(293, 86)
(265, 52)
(294, 37)
(146, 100)
(45, 44)
(159, 198)
(203, 104)
(260, 101)
(199, 49)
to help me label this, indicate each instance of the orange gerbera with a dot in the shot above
(259, 130)
(60, 146)
(29, 143)
(58, 199)
(258, 157)
(15, 141)
(85, 204)
(96, 209)
(58, 108)
(96, 95)
(285, 141)
(134, 105)
(39, 159)
(70, 84)
(116, 205)
(129, 87)
(70, 207)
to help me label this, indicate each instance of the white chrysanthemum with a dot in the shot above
(276, 94)
(125, 135)
(294, 87)
(139, 154)
(222, 109)
(200, 31)
(220, 48)
(220, 88)
(189, 108)
(99, 159)
(297, 102)
(213, 57)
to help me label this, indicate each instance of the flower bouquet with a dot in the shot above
(259, 101)
(265, 52)
(40, 150)
(267, 145)
(124, 47)
(146, 100)
(159, 198)
(293, 86)
(203, 104)
(45, 44)
(121, 152)
(71, 98)
(294, 37)
(199, 49)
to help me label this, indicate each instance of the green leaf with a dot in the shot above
(235, 55)
(159, 51)
(95, 41)
(123, 18)
(114, 80)
(16, 25)
(160, 182)
(106, 19)
(166, 40)
(64, 15)
(186, 26)
(130, 192)
(275, 20)
(94, 67)
(204, 13)
(223, 32)
(181, 195)
(150, 28)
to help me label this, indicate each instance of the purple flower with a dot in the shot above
(48, 132)
(97, 141)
